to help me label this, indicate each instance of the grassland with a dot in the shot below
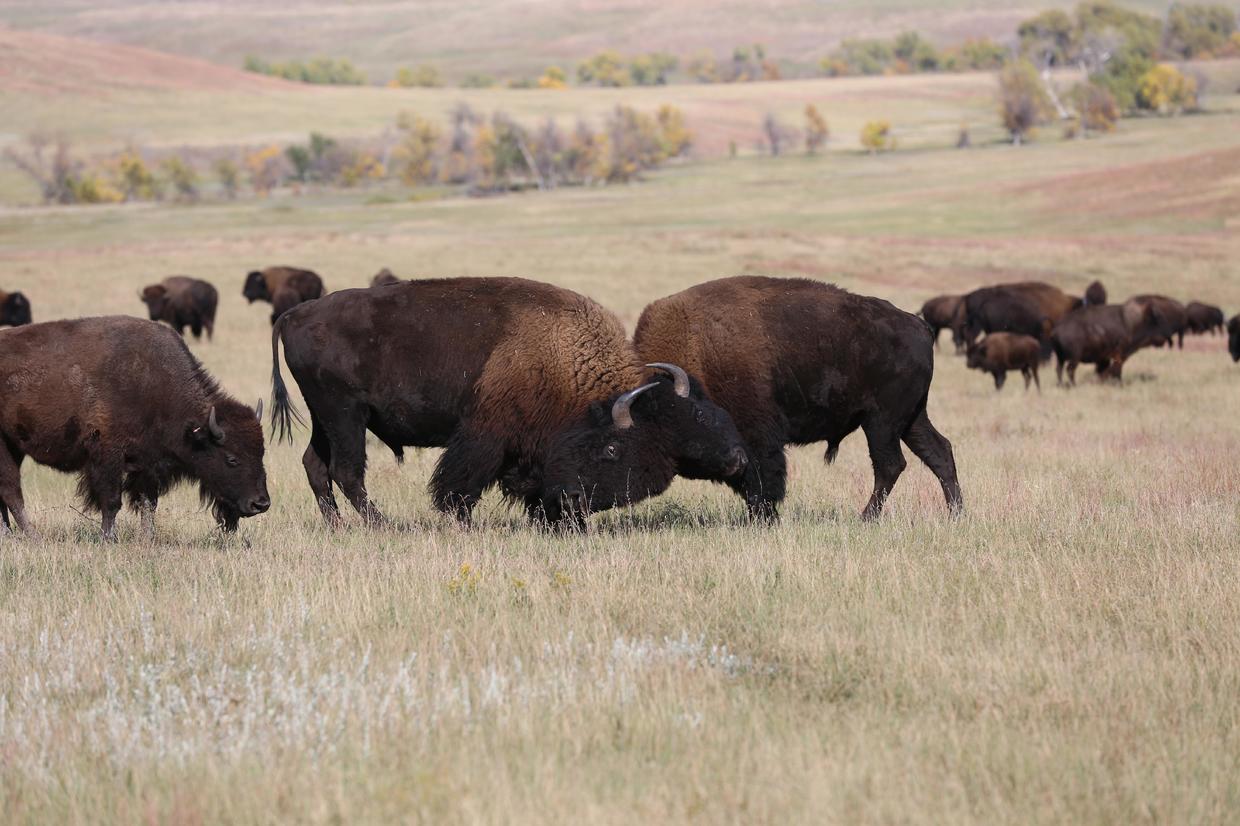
(1067, 651)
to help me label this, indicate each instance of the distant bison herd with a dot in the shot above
(1030, 317)
(530, 388)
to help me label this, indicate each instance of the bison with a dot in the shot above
(1028, 307)
(1204, 318)
(14, 309)
(1104, 336)
(1096, 294)
(1170, 316)
(494, 370)
(998, 353)
(121, 401)
(383, 278)
(945, 312)
(183, 302)
(1233, 337)
(796, 361)
(284, 287)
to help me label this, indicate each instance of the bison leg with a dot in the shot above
(315, 460)
(466, 469)
(11, 490)
(888, 462)
(195, 327)
(1072, 365)
(103, 485)
(348, 470)
(933, 448)
(1000, 378)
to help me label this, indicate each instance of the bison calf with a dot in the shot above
(183, 302)
(122, 402)
(284, 287)
(999, 353)
(14, 309)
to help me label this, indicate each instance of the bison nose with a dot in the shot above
(737, 460)
(260, 504)
(577, 502)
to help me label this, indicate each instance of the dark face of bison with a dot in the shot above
(156, 299)
(15, 310)
(226, 456)
(255, 288)
(632, 447)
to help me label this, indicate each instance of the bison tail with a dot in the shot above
(283, 413)
(833, 449)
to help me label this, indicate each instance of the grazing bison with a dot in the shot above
(1233, 337)
(183, 302)
(796, 361)
(1203, 318)
(494, 370)
(1170, 316)
(383, 278)
(14, 309)
(1028, 307)
(998, 353)
(284, 287)
(1104, 336)
(945, 312)
(122, 402)
(1096, 294)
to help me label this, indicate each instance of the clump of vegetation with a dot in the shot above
(908, 53)
(610, 68)
(1167, 90)
(876, 137)
(553, 78)
(1023, 101)
(424, 76)
(816, 130)
(318, 70)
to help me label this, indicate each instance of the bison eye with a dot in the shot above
(699, 416)
(611, 451)
(232, 461)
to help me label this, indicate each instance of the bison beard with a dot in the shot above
(494, 370)
(797, 361)
(122, 402)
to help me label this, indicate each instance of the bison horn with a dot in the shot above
(682, 378)
(213, 427)
(258, 411)
(621, 417)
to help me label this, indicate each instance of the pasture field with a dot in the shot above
(1067, 651)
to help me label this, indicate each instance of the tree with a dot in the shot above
(1095, 107)
(816, 131)
(181, 176)
(229, 175)
(979, 55)
(134, 178)
(1167, 90)
(553, 78)
(674, 136)
(876, 137)
(1049, 39)
(1198, 31)
(587, 159)
(635, 144)
(47, 161)
(417, 153)
(777, 135)
(652, 69)
(265, 168)
(864, 57)
(916, 52)
(1023, 102)
(425, 76)
(702, 67)
(604, 69)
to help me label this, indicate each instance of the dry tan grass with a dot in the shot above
(1065, 652)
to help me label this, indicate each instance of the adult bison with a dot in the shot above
(383, 278)
(493, 370)
(797, 361)
(1031, 308)
(998, 353)
(284, 287)
(1104, 336)
(1170, 316)
(14, 309)
(1233, 337)
(1203, 318)
(183, 302)
(122, 402)
(1096, 294)
(945, 312)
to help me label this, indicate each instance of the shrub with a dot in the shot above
(635, 144)
(674, 136)
(135, 180)
(424, 76)
(1023, 102)
(553, 78)
(93, 188)
(1166, 89)
(362, 167)
(181, 176)
(477, 81)
(1096, 108)
(652, 69)
(266, 168)
(229, 175)
(416, 156)
(604, 69)
(702, 67)
(1199, 31)
(876, 137)
(864, 57)
(49, 163)
(816, 130)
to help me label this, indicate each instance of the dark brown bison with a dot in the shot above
(1233, 337)
(383, 278)
(1204, 318)
(1104, 336)
(945, 312)
(284, 287)
(1096, 294)
(14, 309)
(183, 302)
(796, 361)
(1031, 308)
(493, 370)
(122, 402)
(1170, 316)
(998, 353)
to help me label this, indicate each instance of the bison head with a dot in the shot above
(632, 446)
(15, 310)
(1233, 338)
(226, 456)
(156, 299)
(255, 288)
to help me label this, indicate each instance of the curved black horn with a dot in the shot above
(620, 415)
(682, 378)
(213, 427)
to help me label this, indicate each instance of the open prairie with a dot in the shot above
(1067, 650)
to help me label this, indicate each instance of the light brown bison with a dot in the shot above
(998, 353)
(183, 302)
(122, 402)
(1104, 336)
(796, 361)
(284, 287)
(1204, 318)
(945, 312)
(510, 376)
(383, 278)
(14, 309)
(1170, 316)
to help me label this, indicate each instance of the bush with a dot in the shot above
(674, 136)
(652, 69)
(181, 176)
(319, 70)
(1096, 109)
(424, 76)
(266, 168)
(477, 81)
(50, 164)
(635, 144)
(1023, 102)
(1198, 31)
(604, 69)
(229, 175)
(1167, 90)
(876, 137)
(135, 180)
(864, 57)
(553, 78)
(816, 130)
(702, 67)
(416, 156)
